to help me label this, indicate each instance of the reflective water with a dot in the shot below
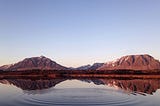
(77, 92)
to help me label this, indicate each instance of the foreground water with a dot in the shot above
(77, 92)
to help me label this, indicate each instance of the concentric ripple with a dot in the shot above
(81, 96)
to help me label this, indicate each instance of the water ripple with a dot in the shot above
(78, 97)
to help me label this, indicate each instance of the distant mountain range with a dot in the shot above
(90, 67)
(130, 62)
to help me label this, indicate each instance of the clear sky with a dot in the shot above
(78, 32)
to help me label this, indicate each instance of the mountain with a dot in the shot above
(132, 62)
(95, 66)
(5, 67)
(90, 67)
(35, 63)
(85, 67)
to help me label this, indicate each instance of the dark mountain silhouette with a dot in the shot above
(95, 66)
(41, 63)
(5, 67)
(85, 67)
(132, 62)
(90, 67)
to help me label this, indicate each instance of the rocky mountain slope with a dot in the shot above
(35, 63)
(132, 62)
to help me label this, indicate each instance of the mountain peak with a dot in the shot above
(43, 56)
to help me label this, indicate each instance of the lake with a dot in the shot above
(77, 92)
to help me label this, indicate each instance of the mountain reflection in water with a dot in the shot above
(148, 86)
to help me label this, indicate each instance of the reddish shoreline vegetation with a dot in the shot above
(131, 66)
(49, 74)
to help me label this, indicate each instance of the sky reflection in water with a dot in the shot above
(21, 92)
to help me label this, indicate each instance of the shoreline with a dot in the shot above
(51, 74)
(54, 76)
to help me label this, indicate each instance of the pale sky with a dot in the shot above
(78, 32)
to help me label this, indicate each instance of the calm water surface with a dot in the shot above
(77, 92)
